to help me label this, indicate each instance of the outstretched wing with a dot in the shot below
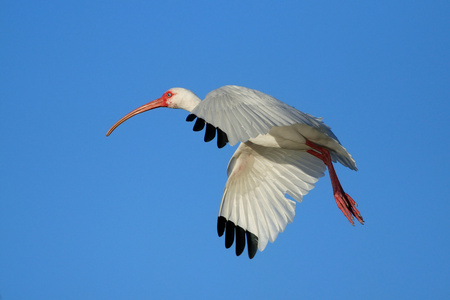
(254, 206)
(239, 114)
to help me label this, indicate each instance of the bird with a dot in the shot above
(282, 151)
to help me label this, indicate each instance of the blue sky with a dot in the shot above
(133, 216)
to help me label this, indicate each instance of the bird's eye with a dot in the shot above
(169, 94)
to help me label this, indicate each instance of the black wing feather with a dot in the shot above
(222, 138)
(199, 124)
(240, 240)
(252, 244)
(191, 118)
(229, 234)
(231, 231)
(210, 132)
(221, 221)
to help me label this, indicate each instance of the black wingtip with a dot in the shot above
(252, 244)
(210, 132)
(199, 124)
(240, 240)
(229, 234)
(191, 118)
(231, 231)
(221, 221)
(222, 138)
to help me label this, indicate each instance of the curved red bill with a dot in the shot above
(151, 105)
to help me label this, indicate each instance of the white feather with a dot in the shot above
(244, 113)
(259, 179)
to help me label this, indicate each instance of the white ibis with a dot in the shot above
(282, 151)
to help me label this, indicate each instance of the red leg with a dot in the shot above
(345, 203)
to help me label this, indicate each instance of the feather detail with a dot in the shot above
(259, 178)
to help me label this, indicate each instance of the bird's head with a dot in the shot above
(173, 98)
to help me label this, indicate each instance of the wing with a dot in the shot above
(254, 203)
(239, 114)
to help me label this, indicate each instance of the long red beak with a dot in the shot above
(151, 105)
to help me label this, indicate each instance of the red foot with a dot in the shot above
(345, 203)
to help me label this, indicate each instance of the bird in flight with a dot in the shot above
(282, 151)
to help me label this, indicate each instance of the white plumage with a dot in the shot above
(245, 113)
(259, 178)
(282, 151)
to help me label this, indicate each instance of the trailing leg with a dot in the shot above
(345, 203)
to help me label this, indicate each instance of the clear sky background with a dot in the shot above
(133, 216)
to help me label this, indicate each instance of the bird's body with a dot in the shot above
(282, 151)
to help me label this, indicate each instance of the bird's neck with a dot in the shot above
(188, 100)
(190, 103)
